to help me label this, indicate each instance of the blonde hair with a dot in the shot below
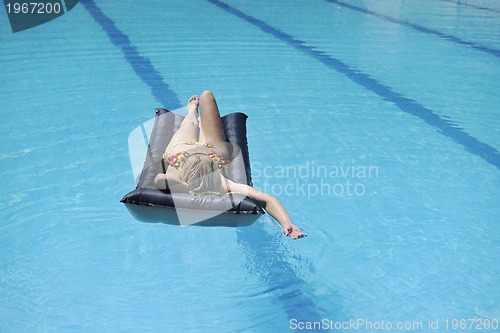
(201, 175)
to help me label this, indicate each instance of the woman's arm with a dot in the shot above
(271, 205)
(164, 181)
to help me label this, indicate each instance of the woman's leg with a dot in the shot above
(211, 130)
(189, 129)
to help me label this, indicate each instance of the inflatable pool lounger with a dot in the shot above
(149, 204)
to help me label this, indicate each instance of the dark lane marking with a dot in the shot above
(420, 28)
(140, 64)
(493, 10)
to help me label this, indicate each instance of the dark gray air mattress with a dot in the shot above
(149, 204)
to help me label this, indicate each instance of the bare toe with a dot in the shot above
(193, 100)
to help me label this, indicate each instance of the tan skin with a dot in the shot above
(210, 131)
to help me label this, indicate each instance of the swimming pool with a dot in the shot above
(376, 124)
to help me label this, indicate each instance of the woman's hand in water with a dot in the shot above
(294, 232)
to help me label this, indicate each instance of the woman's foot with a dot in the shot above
(193, 103)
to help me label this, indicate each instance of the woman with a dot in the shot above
(197, 153)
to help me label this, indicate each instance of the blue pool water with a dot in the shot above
(375, 123)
